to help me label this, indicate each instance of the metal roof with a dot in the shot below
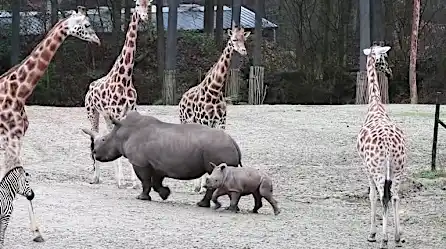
(190, 17)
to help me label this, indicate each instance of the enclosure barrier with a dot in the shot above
(434, 140)
(362, 93)
(257, 89)
(232, 86)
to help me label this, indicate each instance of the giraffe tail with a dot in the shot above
(387, 182)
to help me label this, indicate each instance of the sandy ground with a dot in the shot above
(308, 150)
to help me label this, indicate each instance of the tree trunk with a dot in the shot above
(116, 32)
(364, 23)
(377, 20)
(15, 33)
(169, 72)
(413, 52)
(219, 26)
(236, 11)
(208, 22)
(54, 10)
(160, 40)
(127, 14)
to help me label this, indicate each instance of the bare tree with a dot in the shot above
(160, 40)
(413, 52)
(171, 54)
(15, 36)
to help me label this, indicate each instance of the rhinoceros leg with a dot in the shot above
(257, 201)
(163, 191)
(217, 193)
(235, 198)
(206, 201)
(145, 176)
(266, 191)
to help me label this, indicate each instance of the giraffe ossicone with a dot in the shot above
(18, 83)
(113, 95)
(382, 147)
(205, 103)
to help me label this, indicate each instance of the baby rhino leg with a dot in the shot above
(257, 201)
(266, 191)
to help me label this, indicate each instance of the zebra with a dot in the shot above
(15, 182)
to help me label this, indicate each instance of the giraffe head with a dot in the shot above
(379, 53)
(79, 26)
(237, 38)
(142, 8)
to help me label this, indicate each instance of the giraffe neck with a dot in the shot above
(125, 61)
(217, 76)
(31, 69)
(375, 104)
(372, 80)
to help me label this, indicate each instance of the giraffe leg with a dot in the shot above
(373, 201)
(396, 207)
(34, 227)
(118, 164)
(385, 238)
(135, 183)
(93, 117)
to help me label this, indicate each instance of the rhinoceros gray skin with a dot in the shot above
(158, 149)
(240, 181)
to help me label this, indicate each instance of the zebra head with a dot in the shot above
(22, 187)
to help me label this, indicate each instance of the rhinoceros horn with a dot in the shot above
(92, 134)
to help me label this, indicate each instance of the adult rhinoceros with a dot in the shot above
(157, 149)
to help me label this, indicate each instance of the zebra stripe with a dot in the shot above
(14, 182)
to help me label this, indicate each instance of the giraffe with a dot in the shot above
(114, 94)
(18, 83)
(381, 146)
(204, 103)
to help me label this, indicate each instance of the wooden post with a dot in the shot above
(169, 87)
(434, 140)
(257, 91)
(232, 86)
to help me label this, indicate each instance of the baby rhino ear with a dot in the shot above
(222, 167)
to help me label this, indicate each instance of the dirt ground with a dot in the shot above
(308, 150)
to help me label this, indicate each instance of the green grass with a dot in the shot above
(428, 174)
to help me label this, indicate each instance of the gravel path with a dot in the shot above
(308, 150)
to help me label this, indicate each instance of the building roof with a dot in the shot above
(190, 17)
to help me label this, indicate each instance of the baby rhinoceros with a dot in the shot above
(240, 181)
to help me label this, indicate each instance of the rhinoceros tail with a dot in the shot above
(239, 153)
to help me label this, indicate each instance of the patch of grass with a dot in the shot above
(428, 174)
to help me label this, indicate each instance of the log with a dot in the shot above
(257, 88)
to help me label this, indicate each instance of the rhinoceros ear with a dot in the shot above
(212, 165)
(222, 167)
